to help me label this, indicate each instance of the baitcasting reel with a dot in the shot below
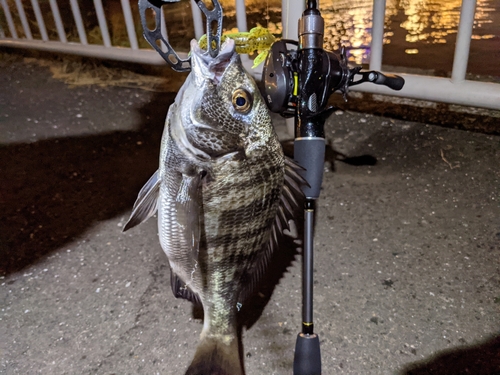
(281, 78)
(299, 77)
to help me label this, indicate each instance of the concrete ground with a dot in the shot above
(407, 261)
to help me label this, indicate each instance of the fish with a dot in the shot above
(225, 193)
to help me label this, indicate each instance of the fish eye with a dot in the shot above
(242, 100)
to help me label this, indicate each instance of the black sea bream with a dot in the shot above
(223, 191)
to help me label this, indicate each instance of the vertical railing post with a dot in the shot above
(241, 15)
(129, 23)
(101, 19)
(291, 11)
(77, 15)
(241, 22)
(58, 21)
(39, 20)
(377, 43)
(10, 21)
(24, 20)
(462, 46)
(197, 20)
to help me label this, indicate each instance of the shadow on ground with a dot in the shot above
(482, 359)
(53, 190)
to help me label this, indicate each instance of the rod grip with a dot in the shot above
(307, 359)
(310, 154)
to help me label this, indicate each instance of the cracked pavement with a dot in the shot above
(407, 254)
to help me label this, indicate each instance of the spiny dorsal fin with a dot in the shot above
(290, 209)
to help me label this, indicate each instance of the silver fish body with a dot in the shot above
(223, 190)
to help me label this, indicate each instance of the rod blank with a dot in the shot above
(307, 264)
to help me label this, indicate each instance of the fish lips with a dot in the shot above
(205, 66)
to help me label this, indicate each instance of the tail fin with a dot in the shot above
(214, 357)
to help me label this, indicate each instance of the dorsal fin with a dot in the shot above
(290, 211)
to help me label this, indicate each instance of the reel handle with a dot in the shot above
(392, 81)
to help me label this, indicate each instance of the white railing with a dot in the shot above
(83, 48)
(454, 90)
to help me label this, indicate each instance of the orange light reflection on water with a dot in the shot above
(349, 22)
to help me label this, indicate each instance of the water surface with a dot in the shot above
(418, 33)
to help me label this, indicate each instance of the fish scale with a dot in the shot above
(222, 189)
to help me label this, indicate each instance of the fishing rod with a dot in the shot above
(299, 78)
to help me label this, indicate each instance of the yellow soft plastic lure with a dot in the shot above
(257, 39)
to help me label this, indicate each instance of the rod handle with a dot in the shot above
(307, 360)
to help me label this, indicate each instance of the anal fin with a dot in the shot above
(181, 290)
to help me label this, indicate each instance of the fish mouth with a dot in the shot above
(206, 66)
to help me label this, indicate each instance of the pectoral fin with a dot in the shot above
(188, 211)
(146, 203)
